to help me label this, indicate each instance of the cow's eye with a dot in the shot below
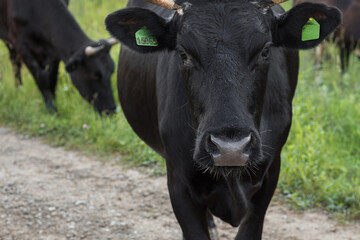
(96, 76)
(184, 57)
(266, 51)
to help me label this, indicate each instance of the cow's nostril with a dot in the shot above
(230, 146)
(229, 153)
(211, 147)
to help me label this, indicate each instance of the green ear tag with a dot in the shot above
(144, 37)
(311, 30)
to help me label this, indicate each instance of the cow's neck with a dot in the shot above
(73, 44)
(67, 37)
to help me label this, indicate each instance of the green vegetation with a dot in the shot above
(321, 161)
(76, 125)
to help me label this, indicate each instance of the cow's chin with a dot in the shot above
(206, 163)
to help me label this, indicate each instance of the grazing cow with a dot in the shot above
(14, 56)
(41, 33)
(210, 88)
(347, 35)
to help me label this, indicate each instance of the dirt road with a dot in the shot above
(51, 193)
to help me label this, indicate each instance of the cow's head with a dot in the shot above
(224, 50)
(90, 69)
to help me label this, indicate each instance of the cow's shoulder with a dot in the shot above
(20, 11)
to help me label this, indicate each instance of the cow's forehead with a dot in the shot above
(220, 16)
(236, 22)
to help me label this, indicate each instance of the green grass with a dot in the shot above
(24, 110)
(321, 160)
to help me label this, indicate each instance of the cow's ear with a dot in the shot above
(289, 28)
(140, 29)
(75, 60)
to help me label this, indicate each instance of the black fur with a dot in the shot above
(42, 33)
(228, 76)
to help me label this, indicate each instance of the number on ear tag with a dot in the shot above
(144, 37)
(311, 30)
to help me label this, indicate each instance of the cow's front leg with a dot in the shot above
(190, 212)
(251, 228)
(52, 72)
(44, 77)
(16, 62)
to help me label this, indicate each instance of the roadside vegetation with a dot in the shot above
(320, 162)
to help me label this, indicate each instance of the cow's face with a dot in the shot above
(91, 76)
(224, 54)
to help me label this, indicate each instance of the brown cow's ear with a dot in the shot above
(140, 29)
(289, 27)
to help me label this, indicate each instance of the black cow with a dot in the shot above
(14, 56)
(41, 33)
(347, 35)
(213, 96)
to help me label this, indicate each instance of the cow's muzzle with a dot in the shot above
(228, 152)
